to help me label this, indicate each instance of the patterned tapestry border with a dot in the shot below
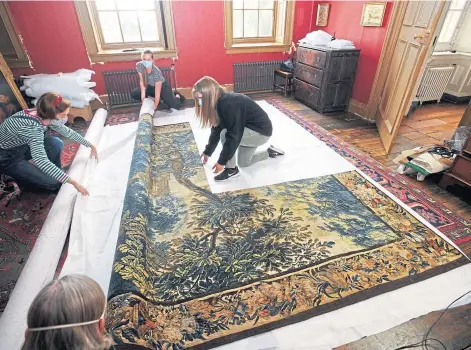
(453, 226)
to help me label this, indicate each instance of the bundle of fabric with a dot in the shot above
(424, 161)
(75, 86)
(340, 44)
(317, 38)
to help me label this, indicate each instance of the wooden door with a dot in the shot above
(414, 33)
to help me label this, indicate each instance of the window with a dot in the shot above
(11, 46)
(452, 24)
(258, 25)
(116, 30)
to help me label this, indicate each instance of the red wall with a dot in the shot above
(344, 20)
(52, 36)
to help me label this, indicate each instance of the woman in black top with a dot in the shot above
(236, 120)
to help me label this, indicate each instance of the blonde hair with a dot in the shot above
(71, 299)
(210, 91)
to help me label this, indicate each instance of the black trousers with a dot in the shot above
(167, 98)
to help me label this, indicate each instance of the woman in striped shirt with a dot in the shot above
(30, 157)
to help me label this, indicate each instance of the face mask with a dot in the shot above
(200, 102)
(59, 121)
(147, 64)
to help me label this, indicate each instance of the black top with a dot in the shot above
(236, 112)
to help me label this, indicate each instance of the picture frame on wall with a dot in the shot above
(373, 14)
(322, 15)
(11, 100)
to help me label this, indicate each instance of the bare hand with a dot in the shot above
(204, 158)
(217, 168)
(94, 152)
(82, 190)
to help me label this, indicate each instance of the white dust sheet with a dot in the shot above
(306, 157)
(97, 217)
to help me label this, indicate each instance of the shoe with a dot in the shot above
(274, 152)
(227, 173)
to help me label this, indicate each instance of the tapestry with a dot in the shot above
(455, 227)
(194, 269)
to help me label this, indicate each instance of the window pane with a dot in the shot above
(250, 23)
(250, 4)
(105, 4)
(266, 4)
(148, 22)
(265, 25)
(110, 27)
(129, 26)
(237, 4)
(146, 4)
(449, 26)
(238, 24)
(127, 4)
(457, 4)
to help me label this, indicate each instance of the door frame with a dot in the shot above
(394, 28)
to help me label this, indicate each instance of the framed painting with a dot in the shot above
(373, 14)
(11, 100)
(322, 15)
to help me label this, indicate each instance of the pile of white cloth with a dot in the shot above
(316, 38)
(340, 44)
(75, 86)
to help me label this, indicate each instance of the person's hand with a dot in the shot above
(217, 168)
(82, 190)
(143, 96)
(204, 158)
(94, 152)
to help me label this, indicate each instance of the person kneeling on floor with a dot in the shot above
(238, 121)
(30, 158)
(68, 313)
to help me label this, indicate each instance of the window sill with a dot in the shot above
(18, 63)
(119, 55)
(256, 48)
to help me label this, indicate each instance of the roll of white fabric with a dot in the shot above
(147, 106)
(44, 257)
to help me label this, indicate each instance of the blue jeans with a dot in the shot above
(14, 163)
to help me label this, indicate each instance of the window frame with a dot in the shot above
(260, 44)
(449, 45)
(22, 60)
(98, 51)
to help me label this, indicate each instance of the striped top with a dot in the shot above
(26, 128)
(153, 77)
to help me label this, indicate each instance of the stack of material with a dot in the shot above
(340, 44)
(317, 38)
(75, 86)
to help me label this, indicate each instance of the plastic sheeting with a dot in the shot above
(44, 257)
(74, 86)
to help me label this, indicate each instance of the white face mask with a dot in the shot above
(200, 101)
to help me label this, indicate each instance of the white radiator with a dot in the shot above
(434, 83)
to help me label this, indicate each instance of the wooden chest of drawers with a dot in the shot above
(460, 171)
(323, 77)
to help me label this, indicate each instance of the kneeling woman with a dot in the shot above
(32, 159)
(236, 120)
(152, 83)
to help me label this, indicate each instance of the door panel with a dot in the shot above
(418, 18)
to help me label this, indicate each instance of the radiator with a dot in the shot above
(119, 84)
(254, 76)
(434, 83)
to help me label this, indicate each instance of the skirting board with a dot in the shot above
(95, 104)
(358, 108)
